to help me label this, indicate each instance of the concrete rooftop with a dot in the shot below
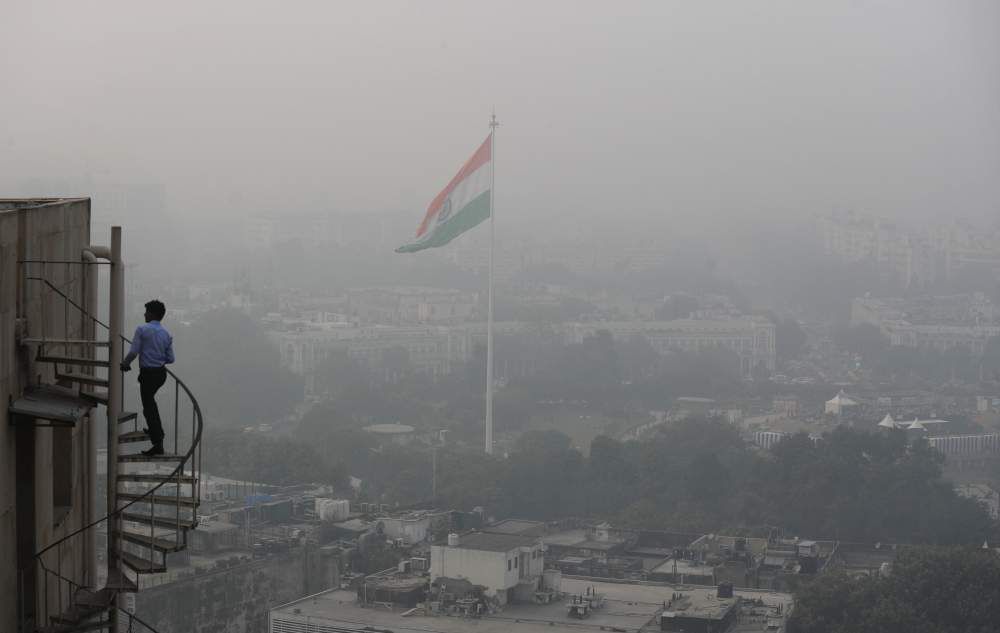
(629, 608)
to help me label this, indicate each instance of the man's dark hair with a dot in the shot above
(157, 309)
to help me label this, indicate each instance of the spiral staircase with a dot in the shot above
(152, 502)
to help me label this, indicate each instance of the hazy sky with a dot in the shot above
(678, 111)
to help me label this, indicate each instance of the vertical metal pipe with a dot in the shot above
(66, 279)
(177, 394)
(489, 316)
(42, 299)
(195, 464)
(177, 507)
(59, 576)
(115, 325)
(89, 331)
(152, 527)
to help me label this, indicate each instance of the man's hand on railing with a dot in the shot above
(125, 366)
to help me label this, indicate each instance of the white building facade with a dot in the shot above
(509, 566)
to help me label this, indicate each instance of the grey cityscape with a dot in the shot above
(445, 316)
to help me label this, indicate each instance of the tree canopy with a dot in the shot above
(699, 475)
(929, 590)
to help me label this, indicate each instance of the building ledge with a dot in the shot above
(56, 406)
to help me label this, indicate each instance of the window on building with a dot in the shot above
(515, 563)
(509, 565)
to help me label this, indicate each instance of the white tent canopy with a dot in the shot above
(887, 422)
(836, 404)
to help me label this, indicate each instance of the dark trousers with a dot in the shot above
(150, 381)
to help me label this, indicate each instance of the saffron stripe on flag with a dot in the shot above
(477, 160)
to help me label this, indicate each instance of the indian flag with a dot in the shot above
(460, 206)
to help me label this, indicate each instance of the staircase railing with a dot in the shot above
(186, 472)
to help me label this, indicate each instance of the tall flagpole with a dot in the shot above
(489, 317)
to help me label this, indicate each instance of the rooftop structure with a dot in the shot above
(493, 542)
(626, 607)
(509, 566)
(517, 526)
(699, 612)
(391, 428)
(958, 445)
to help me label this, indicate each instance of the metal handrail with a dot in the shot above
(132, 616)
(192, 456)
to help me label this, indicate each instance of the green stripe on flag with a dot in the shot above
(470, 216)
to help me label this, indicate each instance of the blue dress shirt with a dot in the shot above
(153, 345)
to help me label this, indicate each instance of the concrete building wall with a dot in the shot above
(49, 229)
(495, 570)
(478, 567)
(751, 338)
(411, 530)
(236, 599)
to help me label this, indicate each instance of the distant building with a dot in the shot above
(937, 323)
(411, 305)
(430, 349)
(786, 406)
(751, 338)
(509, 566)
(892, 251)
(395, 433)
(768, 439)
(956, 445)
(410, 528)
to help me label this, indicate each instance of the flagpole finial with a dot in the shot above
(493, 120)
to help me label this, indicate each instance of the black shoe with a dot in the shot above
(155, 449)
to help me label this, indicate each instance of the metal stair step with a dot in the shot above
(75, 613)
(141, 565)
(72, 360)
(157, 543)
(64, 341)
(96, 397)
(84, 379)
(97, 625)
(139, 457)
(118, 581)
(153, 478)
(133, 436)
(100, 599)
(127, 416)
(171, 500)
(161, 521)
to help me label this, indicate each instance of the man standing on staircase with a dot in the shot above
(154, 347)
